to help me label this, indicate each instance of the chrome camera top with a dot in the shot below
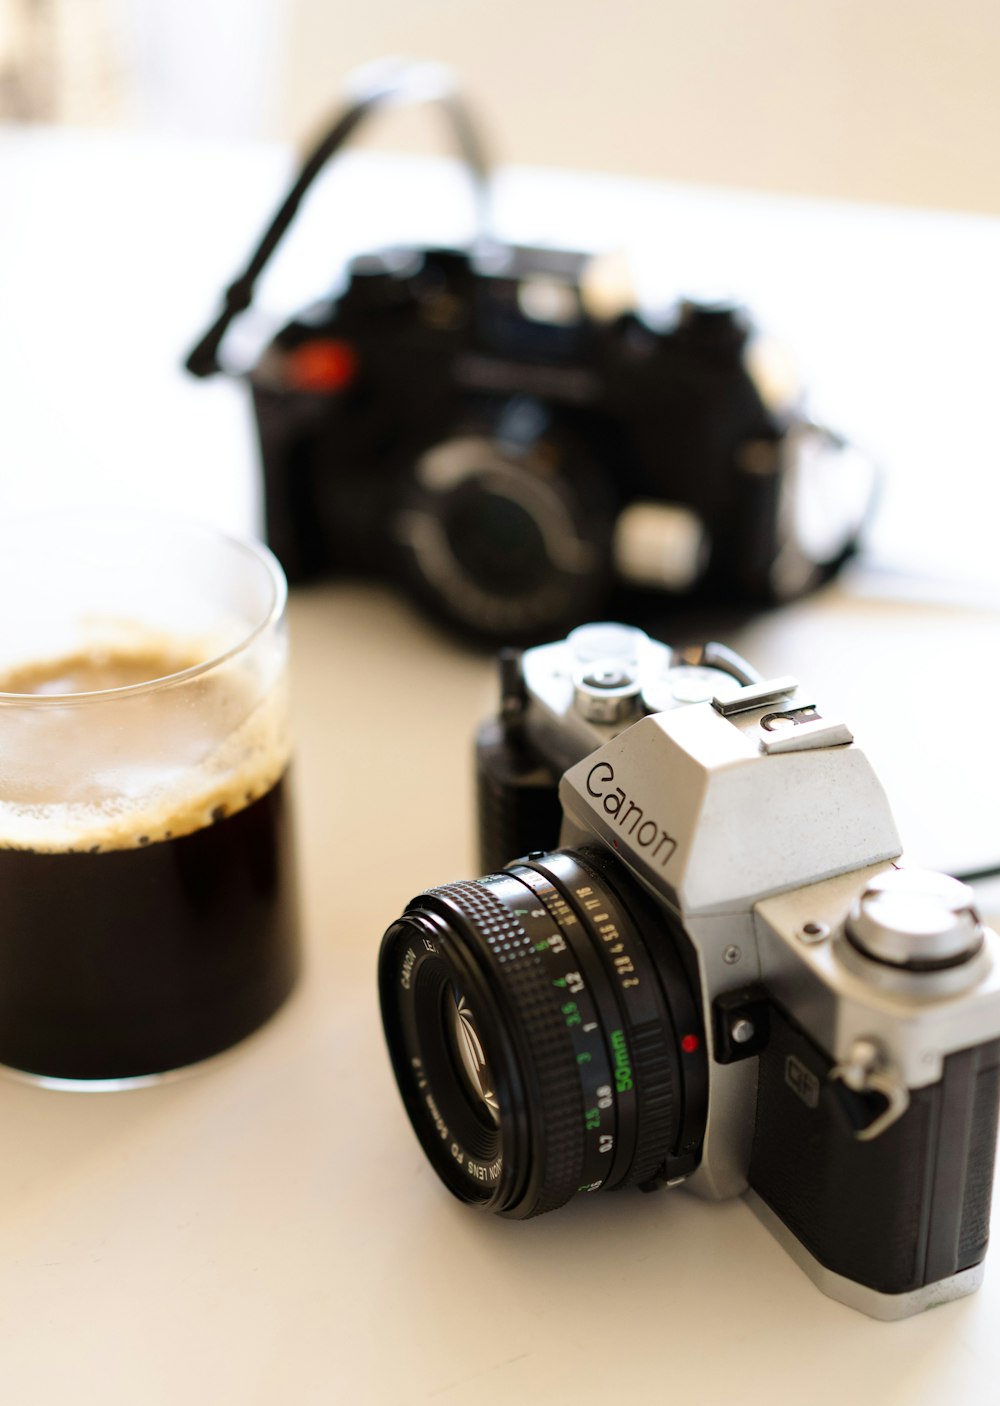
(709, 968)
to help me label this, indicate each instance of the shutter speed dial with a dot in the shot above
(916, 919)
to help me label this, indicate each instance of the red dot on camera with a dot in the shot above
(690, 1043)
(321, 364)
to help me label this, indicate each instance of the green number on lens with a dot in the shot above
(593, 1118)
(571, 1013)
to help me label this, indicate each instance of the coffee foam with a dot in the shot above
(119, 773)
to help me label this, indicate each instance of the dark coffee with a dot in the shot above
(133, 961)
(142, 932)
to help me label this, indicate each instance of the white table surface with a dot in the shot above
(266, 1230)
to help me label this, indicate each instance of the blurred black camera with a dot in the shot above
(501, 432)
(709, 969)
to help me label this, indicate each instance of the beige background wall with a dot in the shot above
(885, 100)
(888, 100)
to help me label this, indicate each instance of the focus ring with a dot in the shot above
(548, 1056)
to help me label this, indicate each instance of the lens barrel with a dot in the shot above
(545, 1033)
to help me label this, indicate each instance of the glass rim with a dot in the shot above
(248, 546)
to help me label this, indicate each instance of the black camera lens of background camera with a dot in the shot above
(545, 1034)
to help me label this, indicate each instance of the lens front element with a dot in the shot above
(472, 1062)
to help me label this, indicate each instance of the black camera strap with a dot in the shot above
(377, 86)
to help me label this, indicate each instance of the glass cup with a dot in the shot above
(147, 894)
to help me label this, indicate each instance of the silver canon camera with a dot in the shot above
(709, 967)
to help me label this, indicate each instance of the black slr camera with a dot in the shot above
(709, 969)
(484, 427)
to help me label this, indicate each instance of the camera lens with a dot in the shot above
(545, 1033)
(495, 541)
(505, 525)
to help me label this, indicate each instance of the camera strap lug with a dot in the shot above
(713, 655)
(867, 1075)
(513, 691)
